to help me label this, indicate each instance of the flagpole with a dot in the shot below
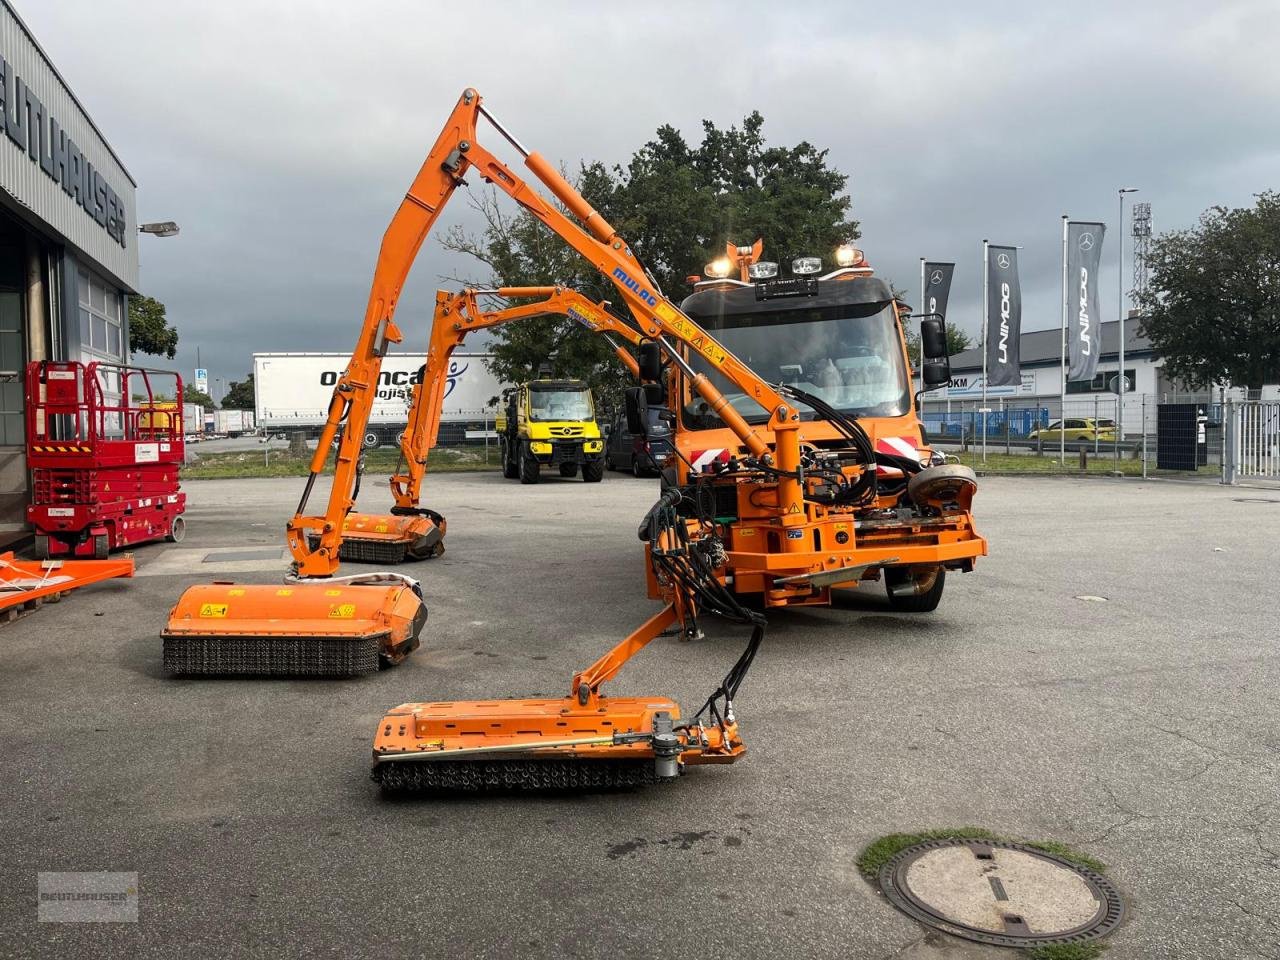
(1122, 384)
(1062, 407)
(923, 308)
(985, 333)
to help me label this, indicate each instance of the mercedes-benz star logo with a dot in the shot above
(935, 278)
(1086, 241)
(1002, 261)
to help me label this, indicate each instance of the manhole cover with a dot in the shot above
(1000, 893)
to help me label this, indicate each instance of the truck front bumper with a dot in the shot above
(555, 452)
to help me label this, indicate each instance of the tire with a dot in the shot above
(510, 469)
(371, 441)
(608, 462)
(913, 602)
(177, 530)
(40, 547)
(637, 468)
(529, 471)
(568, 469)
(592, 471)
(1083, 438)
(101, 546)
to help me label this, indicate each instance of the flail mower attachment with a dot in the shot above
(584, 741)
(322, 628)
(407, 533)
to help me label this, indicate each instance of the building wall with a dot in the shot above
(68, 243)
(39, 111)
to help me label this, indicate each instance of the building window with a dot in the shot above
(101, 319)
(1104, 382)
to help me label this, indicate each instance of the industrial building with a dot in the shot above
(68, 241)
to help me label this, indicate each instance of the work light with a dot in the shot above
(847, 255)
(762, 270)
(803, 266)
(718, 268)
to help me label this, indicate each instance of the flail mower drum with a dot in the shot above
(477, 746)
(404, 534)
(320, 628)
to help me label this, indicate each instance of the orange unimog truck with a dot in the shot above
(832, 337)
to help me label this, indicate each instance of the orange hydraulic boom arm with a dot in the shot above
(456, 316)
(315, 540)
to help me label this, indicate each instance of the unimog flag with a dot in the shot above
(1084, 325)
(937, 287)
(1004, 317)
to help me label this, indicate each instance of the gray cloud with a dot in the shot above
(282, 135)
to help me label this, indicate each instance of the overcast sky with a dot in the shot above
(282, 135)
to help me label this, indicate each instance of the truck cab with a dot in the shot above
(838, 339)
(549, 423)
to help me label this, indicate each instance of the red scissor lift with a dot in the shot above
(104, 443)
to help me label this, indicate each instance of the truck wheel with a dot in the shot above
(177, 530)
(905, 596)
(608, 462)
(593, 471)
(371, 441)
(568, 469)
(528, 469)
(509, 468)
(40, 548)
(101, 547)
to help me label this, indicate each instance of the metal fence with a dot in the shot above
(1082, 435)
(1252, 441)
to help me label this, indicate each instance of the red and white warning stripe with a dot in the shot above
(700, 460)
(898, 447)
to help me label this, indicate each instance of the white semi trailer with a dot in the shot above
(293, 392)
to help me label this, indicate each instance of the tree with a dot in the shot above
(677, 206)
(191, 395)
(240, 395)
(148, 330)
(957, 341)
(1213, 310)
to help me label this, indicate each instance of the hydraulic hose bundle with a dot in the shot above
(689, 565)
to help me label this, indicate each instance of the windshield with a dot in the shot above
(849, 356)
(560, 405)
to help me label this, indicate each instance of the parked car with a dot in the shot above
(1077, 430)
(626, 451)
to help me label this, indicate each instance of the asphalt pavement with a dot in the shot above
(1140, 728)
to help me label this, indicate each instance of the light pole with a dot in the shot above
(1121, 384)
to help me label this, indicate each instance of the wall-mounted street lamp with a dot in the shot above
(161, 228)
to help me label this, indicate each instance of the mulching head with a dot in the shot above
(313, 629)
(391, 538)
(520, 745)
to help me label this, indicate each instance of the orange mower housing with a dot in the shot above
(309, 628)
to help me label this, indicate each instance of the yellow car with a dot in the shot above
(1076, 429)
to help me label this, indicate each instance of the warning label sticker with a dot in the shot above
(146, 452)
(213, 610)
(342, 611)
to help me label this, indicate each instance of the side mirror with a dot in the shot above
(933, 338)
(935, 373)
(637, 410)
(649, 357)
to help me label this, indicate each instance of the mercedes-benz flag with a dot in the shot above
(1004, 317)
(937, 287)
(1084, 325)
